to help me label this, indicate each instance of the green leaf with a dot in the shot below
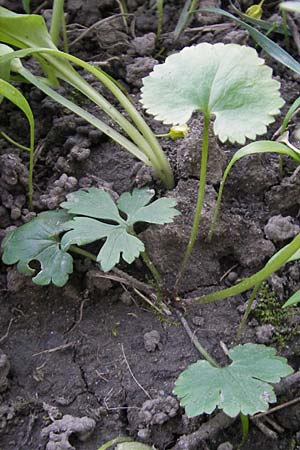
(133, 446)
(134, 206)
(293, 300)
(291, 6)
(243, 386)
(37, 240)
(228, 81)
(270, 47)
(119, 235)
(26, 6)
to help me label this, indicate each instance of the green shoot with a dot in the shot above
(26, 6)
(57, 20)
(185, 15)
(194, 80)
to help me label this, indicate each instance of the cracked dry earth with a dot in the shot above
(89, 362)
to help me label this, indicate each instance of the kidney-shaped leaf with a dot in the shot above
(243, 386)
(120, 239)
(228, 81)
(37, 241)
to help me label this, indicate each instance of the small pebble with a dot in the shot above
(264, 333)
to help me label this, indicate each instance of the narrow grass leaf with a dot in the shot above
(293, 300)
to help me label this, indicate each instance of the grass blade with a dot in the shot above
(187, 10)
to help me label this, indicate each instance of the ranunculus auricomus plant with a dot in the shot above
(227, 83)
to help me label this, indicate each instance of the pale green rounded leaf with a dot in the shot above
(228, 81)
(291, 6)
(243, 386)
(37, 240)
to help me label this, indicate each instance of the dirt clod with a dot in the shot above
(60, 431)
(4, 370)
(152, 341)
(280, 228)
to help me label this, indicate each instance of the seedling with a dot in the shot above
(86, 216)
(229, 82)
(29, 33)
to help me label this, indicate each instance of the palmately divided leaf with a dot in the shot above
(37, 240)
(240, 387)
(93, 202)
(229, 81)
(120, 239)
(135, 207)
(84, 230)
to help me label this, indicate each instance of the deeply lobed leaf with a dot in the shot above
(228, 81)
(37, 240)
(120, 240)
(240, 387)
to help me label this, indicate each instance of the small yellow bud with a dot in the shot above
(178, 131)
(255, 11)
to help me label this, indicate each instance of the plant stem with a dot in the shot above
(195, 341)
(245, 429)
(248, 309)
(57, 20)
(277, 261)
(151, 267)
(82, 252)
(160, 12)
(200, 200)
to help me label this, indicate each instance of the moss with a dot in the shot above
(269, 311)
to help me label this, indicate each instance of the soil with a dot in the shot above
(83, 364)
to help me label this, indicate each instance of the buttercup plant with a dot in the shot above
(228, 82)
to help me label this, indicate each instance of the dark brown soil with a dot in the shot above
(85, 350)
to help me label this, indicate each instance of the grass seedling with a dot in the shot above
(57, 20)
(187, 11)
(29, 33)
(228, 82)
